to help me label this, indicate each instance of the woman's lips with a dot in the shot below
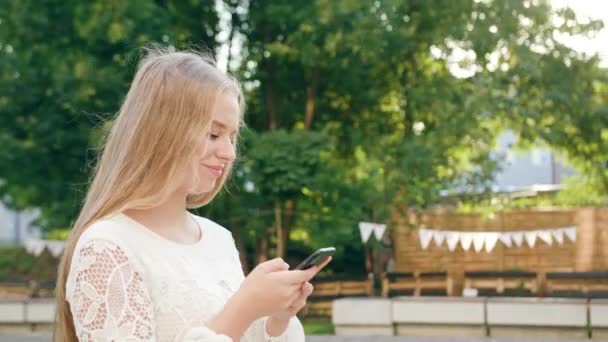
(215, 170)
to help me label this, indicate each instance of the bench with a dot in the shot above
(537, 318)
(21, 289)
(328, 288)
(503, 283)
(439, 316)
(577, 284)
(416, 284)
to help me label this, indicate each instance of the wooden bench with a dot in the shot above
(416, 284)
(577, 284)
(503, 283)
(328, 288)
(21, 289)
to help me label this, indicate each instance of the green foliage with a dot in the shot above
(282, 164)
(582, 191)
(57, 234)
(64, 67)
(354, 107)
(318, 326)
(578, 191)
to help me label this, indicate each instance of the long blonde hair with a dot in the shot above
(166, 111)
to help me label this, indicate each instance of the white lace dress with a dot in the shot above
(127, 283)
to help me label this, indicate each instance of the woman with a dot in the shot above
(138, 266)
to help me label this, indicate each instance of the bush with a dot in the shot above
(16, 264)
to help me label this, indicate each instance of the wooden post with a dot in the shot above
(585, 239)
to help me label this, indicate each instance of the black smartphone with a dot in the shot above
(316, 258)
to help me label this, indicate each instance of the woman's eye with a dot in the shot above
(213, 136)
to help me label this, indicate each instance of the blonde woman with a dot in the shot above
(138, 266)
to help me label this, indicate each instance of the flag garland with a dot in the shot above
(488, 240)
(35, 246)
(367, 228)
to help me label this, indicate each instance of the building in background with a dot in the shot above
(536, 169)
(17, 227)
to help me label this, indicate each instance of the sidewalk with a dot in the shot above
(12, 338)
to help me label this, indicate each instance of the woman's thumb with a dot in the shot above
(273, 265)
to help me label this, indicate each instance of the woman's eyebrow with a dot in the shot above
(221, 125)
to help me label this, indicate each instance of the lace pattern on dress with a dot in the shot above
(107, 296)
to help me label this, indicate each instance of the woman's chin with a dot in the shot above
(204, 189)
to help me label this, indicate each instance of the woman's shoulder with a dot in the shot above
(110, 229)
(212, 227)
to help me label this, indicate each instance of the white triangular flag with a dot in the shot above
(55, 247)
(366, 230)
(490, 242)
(465, 240)
(545, 235)
(558, 235)
(425, 237)
(531, 237)
(451, 239)
(570, 233)
(505, 238)
(34, 247)
(478, 240)
(518, 238)
(438, 237)
(379, 230)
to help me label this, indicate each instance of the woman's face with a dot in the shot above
(217, 149)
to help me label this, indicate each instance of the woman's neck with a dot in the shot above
(170, 220)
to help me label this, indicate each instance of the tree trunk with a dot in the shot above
(262, 246)
(279, 229)
(240, 245)
(290, 208)
(271, 103)
(311, 94)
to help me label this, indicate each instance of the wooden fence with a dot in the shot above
(589, 253)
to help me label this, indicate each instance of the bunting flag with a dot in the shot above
(490, 241)
(558, 235)
(36, 247)
(506, 239)
(570, 233)
(531, 238)
(438, 237)
(379, 230)
(465, 240)
(545, 236)
(366, 230)
(487, 240)
(451, 239)
(518, 238)
(478, 240)
(425, 236)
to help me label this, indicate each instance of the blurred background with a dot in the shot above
(461, 116)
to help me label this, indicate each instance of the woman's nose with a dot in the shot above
(227, 151)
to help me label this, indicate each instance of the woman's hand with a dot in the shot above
(278, 322)
(269, 290)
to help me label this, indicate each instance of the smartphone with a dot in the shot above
(316, 258)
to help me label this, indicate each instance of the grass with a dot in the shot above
(318, 326)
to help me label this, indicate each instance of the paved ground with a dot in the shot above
(22, 338)
(7, 338)
(419, 339)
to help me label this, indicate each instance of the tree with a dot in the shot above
(64, 69)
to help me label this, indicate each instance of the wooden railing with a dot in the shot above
(326, 289)
(503, 283)
(499, 283)
(577, 284)
(417, 284)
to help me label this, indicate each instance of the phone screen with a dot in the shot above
(316, 258)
